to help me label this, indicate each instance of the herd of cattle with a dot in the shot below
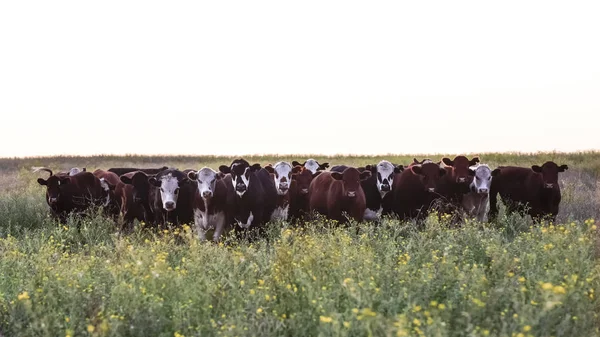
(245, 197)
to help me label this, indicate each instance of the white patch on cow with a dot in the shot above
(283, 177)
(168, 187)
(106, 189)
(74, 171)
(236, 179)
(385, 170)
(312, 165)
(483, 178)
(248, 223)
(206, 180)
(280, 213)
(205, 222)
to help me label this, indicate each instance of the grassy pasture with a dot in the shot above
(501, 279)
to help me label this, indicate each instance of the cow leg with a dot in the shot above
(493, 213)
(201, 233)
(219, 226)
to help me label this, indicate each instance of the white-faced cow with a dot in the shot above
(312, 165)
(169, 186)
(210, 202)
(476, 202)
(282, 176)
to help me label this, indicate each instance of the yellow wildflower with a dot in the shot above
(416, 322)
(91, 328)
(325, 319)
(433, 303)
(547, 286)
(559, 290)
(259, 310)
(177, 334)
(23, 296)
(521, 279)
(347, 325)
(441, 306)
(526, 328)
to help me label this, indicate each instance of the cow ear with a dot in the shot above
(324, 166)
(365, 175)
(471, 172)
(42, 181)
(193, 175)
(224, 169)
(316, 173)
(447, 161)
(219, 175)
(415, 161)
(536, 168)
(474, 161)
(153, 181)
(255, 167)
(416, 169)
(337, 175)
(563, 168)
(398, 168)
(296, 163)
(270, 169)
(442, 171)
(496, 172)
(125, 179)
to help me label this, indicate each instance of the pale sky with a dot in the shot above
(319, 77)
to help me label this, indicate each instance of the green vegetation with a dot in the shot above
(509, 278)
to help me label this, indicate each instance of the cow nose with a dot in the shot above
(461, 179)
(169, 205)
(206, 194)
(240, 188)
(483, 190)
(385, 188)
(283, 186)
(549, 185)
(304, 191)
(351, 194)
(431, 189)
(52, 200)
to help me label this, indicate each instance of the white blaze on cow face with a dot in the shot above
(283, 177)
(483, 179)
(312, 165)
(385, 177)
(206, 180)
(106, 189)
(241, 182)
(169, 191)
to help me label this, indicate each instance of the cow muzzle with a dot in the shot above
(283, 188)
(169, 205)
(206, 194)
(483, 191)
(548, 185)
(240, 188)
(431, 189)
(461, 180)
(52, 200)
(385, 188)
(351, 194)
(304, 191)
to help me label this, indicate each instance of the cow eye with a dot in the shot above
(176, 190)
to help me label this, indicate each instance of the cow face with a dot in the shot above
(385, 175)
(169, 182)
(206, 179)
(303, 177)
(460, 168)
(53, 188)
(351, 179)
(240, 171)
(283, 177)
(141, 186)
(430, 174)
(549, 172)
(482, 179)
(312, 165)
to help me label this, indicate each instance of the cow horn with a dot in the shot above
(38, 169)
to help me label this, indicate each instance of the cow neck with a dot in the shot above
(283, 200)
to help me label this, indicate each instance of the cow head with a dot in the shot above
(549, 172)
(460, 168)
(240, 171)
(351, 178)
(206, 179)
(385, 175)
(312, 165)
(482, 179)
(141, 185)
(53, 187)
(430, 174)
(282, 172)
(303, 177)
(169, 181)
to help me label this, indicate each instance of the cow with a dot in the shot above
(282, 176)
(171, 197)
(301, 179)
(134, 191)
(333, 193)
(252, 195)
(109, 181)
(312, 165)
(534, 191)
(122, 170)
(71, 194)
(210, 202)
(455, 183)
(377, 187)
(476, 202)
(74, 170)
(415, 189)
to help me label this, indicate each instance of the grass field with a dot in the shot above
(388, 279)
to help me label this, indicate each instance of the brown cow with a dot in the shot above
(332, 193)
(301, 179)
(534, 191)
(134, 191)
(210, 202)
(415, 189)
